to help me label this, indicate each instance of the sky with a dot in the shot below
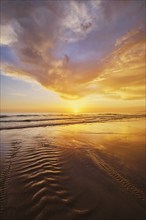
(73, 56)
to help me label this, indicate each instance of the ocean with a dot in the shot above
(18, 121)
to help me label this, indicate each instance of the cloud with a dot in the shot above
(75, 49)
(124, 73)
(18, 94)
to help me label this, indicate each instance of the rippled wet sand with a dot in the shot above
(90, 171)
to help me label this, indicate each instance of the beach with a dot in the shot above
(68, 167)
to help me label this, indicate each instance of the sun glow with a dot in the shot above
(76, 106)
(76, 111)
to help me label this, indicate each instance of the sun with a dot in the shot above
(75, 106)
(76, 111)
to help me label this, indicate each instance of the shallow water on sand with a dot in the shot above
(75, 171)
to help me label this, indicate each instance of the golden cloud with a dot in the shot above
(41, 30)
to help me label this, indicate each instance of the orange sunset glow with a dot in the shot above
(77, 57)
(73, 110)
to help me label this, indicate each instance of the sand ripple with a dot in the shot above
(125, 183)
(48, 182)
(39, 184)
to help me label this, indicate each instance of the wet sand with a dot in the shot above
(81, 171)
